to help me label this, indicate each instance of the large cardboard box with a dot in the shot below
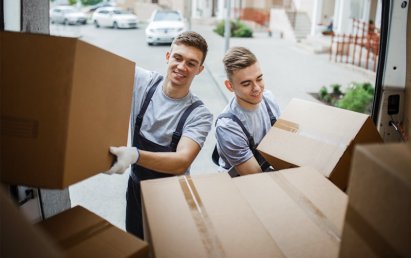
(319, 136)
(300, 208)
(378, 220)
(18, 237)
(63, 103)
(202, 216)
(81, 233)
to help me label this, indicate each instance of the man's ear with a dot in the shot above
(200, 69)
(167, 56)
(228, 85)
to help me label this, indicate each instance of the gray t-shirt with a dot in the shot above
(163, 113)
(232, 143)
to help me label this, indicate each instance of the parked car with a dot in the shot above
(164, 26)
(114, 17)
(67, 15)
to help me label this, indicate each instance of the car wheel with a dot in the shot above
(96, 24)
(65, 22)
(150, 43)
(115, 25)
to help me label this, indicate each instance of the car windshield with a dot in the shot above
(167, 16)
(120, 12)
(70, 10)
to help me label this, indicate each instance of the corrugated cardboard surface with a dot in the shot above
(319, 136)
(301, 209)
(18, 237)
(81, 233)
(202, 216)
(378, 221)
(63, 103)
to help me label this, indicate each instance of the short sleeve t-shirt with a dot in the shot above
(232, 143)
(163, 113)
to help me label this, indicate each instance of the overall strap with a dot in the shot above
(140, 116)
(179, 129)
(238, 121)
(273, 119)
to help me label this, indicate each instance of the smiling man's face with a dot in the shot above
(184, 62)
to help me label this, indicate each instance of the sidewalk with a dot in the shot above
(290, 71)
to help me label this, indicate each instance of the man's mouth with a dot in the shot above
(179, 75)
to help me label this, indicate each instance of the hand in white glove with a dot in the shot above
(126, 156)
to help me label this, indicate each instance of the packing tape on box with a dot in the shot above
(380, 246)
(208, 235)
(83, 235)
(297, 129)
(287, 125)
(308, 207)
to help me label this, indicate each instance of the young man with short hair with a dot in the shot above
(169, 124)
(248, 116)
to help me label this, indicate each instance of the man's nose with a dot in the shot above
(181, 65)
(256, 86)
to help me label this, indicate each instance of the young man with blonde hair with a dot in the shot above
(169, 124)
(247, 117)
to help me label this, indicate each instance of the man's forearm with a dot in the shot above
(166, 162)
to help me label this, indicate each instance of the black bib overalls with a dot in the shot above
(134, 221)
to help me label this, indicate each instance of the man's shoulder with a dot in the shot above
(144, 77)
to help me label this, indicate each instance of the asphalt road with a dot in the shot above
(103, 194)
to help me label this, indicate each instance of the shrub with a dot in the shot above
(90, 2)
(237, 29)
(358, 97)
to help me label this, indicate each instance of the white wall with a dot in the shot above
(12, 12)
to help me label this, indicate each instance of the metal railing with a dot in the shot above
(359, 48)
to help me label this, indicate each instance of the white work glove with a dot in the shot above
(126, 156)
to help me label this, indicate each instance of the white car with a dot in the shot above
(67, 15)
(114, 17)
(164, 26)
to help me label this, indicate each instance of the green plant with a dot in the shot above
(323, 92)
(237, 29)
(72, 2)
(357, 98)
(90, 2)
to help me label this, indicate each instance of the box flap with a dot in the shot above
(207, 212)
(81, 233)
(317, 135)
(301, 209)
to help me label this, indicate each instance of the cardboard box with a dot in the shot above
(80, 233)
(18, 237)
(63, 103)
(319, 136)
(378, 220)
(300, 208)
(202, 216)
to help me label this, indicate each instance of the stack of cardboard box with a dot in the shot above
(63, 103)
(297, 212)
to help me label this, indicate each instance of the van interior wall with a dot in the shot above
(407, 106)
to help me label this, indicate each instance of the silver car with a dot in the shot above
(164, 26)
(114, 17)
(67, 15)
